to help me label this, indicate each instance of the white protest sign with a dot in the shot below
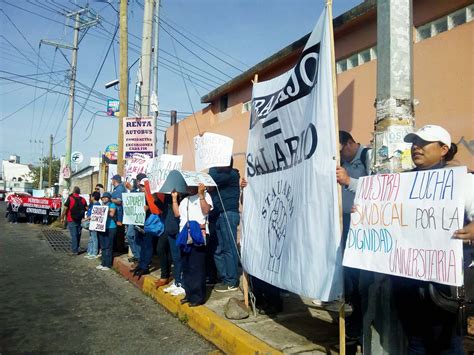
(403, 224)
(160, 167)
(99, 218)
(212, 150)
(179, 180)
(133, 208)
(291, 232)
(137, 164)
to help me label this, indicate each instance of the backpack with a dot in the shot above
(154, 225)
(78, 209)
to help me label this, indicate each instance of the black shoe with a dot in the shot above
(141, 272)
(184, 301)
(135, 269)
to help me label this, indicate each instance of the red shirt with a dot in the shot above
(70, 203)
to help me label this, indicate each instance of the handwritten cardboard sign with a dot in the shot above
(212, 150)
(403, 224)
(137, 164)
(133, 212)
(179, 180)
(99, 218)
(160, 167)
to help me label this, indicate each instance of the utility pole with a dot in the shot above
(394, 119)
(40, 185)
(72, 80)
(123, 81)
(145, 63)
(72, 89)
(154, 96)
(50, 170)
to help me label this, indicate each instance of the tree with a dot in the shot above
(35, 171)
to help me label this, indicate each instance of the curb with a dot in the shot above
(222, 333)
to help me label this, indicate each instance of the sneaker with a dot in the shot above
(104, 268)
(320, 303)
(178, 291)
(90, 257)
(87, 256)
(225, 288)
(170, 288)
(99, 267)
(96, 256)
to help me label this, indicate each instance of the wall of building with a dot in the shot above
(442, 83)
(86, 183)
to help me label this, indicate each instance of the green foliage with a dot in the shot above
(35, 171)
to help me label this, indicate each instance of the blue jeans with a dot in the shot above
(132, 239)
(93, 246)
(226, 255)
(75, 232)
(146, 251)
(106, 242)
(418, 345)
(176, 256)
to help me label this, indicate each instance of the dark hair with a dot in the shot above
(100, 185)
(451, 152)
(96, 195)
(76, 190)
(345, 137)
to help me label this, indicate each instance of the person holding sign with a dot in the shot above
(430, 328)
(355, 163)
(193, 211)
(226, 202)
(107, 237)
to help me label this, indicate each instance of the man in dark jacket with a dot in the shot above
(226, 201)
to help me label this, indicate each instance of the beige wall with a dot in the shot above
(443, 84)
(87, 183)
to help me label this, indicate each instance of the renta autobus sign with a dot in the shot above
(139, 136)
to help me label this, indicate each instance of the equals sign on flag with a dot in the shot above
(272, 128)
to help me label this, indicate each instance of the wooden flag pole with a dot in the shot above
(245, 280)
(342, 321)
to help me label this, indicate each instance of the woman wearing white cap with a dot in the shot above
(431, 329)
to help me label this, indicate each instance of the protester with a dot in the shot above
(99, 188)
(74, 210)
(355, 163)
(429, 328)
(226, 201)
(93, 246)
(12, 209)
(146, 239)
(118, 190)
(133, 239)
(171, 232)
(193, 211)
(107, 237)
(163, 247)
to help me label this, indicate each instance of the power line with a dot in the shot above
(36, 14)
(197, 44)
(98, 73)
(29, 103)
(246, 66)
(196, 55)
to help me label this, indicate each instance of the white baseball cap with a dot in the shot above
(430, 133)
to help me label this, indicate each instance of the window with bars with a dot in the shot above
(356, 59)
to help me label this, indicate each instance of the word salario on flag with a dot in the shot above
(291, 231)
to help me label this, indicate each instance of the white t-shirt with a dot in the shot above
(195, 212)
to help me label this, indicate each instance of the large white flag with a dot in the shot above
(291, 232)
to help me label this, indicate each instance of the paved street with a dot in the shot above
(51, 302)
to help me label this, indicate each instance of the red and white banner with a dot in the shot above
(37, 205)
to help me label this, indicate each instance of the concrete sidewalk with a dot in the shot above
(300, 328)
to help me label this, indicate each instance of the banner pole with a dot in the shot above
(342, 321)
(245, 279)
